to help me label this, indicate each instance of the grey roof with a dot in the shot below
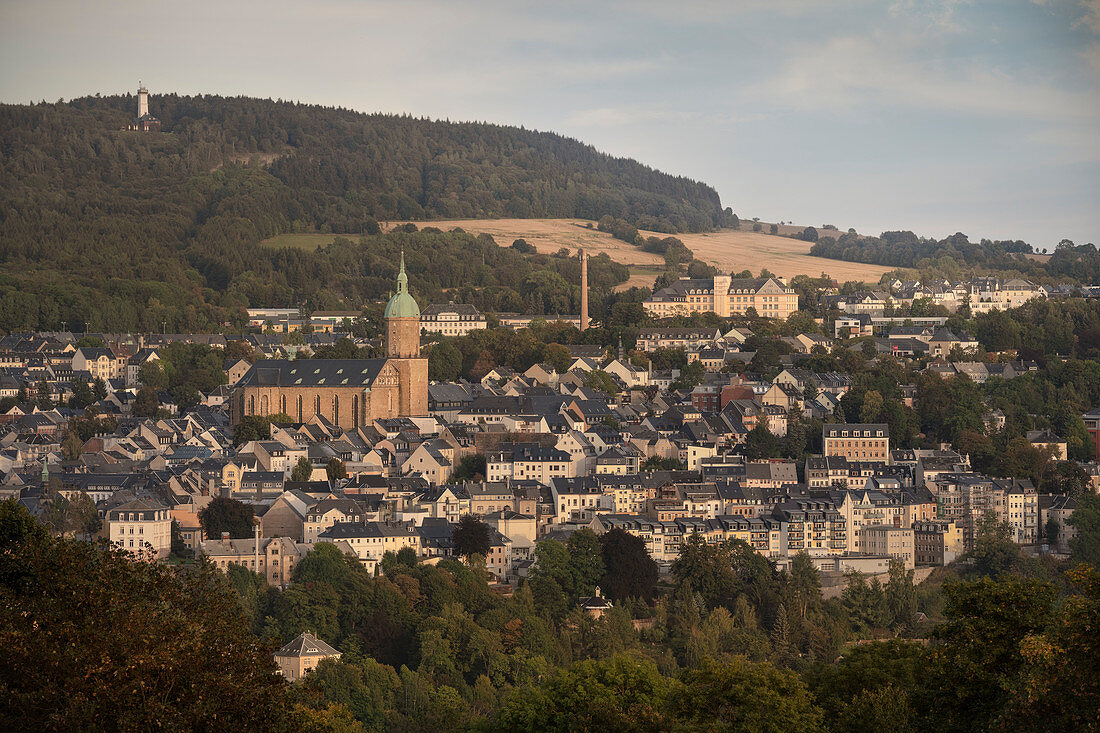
(306, 644)
(449, 392)
(313, 373)
(834, 430)
(680, 288)
(462, 309)
(342, 530)
(137, 505)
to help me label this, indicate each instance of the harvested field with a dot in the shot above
(729, 249)
(733, 250)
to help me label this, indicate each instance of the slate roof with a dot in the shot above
(306, 644)
(313, 373)
(462, 309)
(679, 289)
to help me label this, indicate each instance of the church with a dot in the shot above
(346, 392)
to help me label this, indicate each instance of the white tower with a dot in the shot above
(143, 100)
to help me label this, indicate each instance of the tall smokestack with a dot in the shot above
(584, 291)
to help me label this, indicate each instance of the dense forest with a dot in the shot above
(957, 256)
(114, 230)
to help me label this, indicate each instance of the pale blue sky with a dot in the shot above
(980, 116)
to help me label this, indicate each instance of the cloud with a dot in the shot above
(850, 71)
(937, 13)
(628, 114)
(1091, 55)
(1091, 18)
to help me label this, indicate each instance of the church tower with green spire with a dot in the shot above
(402, 320)
(348, 393)
(403, 347)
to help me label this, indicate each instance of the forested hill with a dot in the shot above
(93, 216)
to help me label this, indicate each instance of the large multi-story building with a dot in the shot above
(371, 540)
(857, 441)
(528, 461)
(987, 294)
(724, 296)
(263, 317)
(101, 363)
(1018, 506)
(331, 321)
(936, 542)
(813, 526)
(651, 339)
(1092, 425)
(347, 392)
(897, 542)
(141, 527)
(272, 557)
(328, 512)
(452, 319)
(966, 499)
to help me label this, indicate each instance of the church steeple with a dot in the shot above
(402, 320)
(402, 278)
(402, 305)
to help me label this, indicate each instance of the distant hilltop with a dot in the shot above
(101, 220)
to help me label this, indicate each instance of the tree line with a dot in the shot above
(727, 642)
(956, 256)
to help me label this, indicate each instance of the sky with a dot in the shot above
(938, 116)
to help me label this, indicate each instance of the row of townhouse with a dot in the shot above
(982, 295)
(531, 462)
(968, 498)
(811, 526)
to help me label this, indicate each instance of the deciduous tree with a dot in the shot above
(471, 536)
(226, 515)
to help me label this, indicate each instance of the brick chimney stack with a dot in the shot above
(584, 291)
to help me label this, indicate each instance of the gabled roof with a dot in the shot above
(306, 645)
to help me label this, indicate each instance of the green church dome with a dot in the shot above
(402, 305)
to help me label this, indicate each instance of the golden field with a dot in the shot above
(728, 249)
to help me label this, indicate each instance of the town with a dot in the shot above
(543, 367)
(368, 455)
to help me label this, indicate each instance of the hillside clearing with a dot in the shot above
(730, 250)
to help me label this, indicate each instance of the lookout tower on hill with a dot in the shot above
(144, 122)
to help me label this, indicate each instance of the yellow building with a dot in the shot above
(857, 441)
(272, 557)
(897, 542)
(299, 657)
(141, 527)
(724, 296)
